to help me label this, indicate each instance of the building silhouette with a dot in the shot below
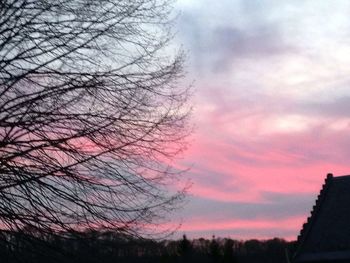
(325, 237)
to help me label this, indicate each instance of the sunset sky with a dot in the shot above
(271, 111)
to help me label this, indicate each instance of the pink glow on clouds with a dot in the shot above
(208, 227)
(274, 179)
(200, 224)
(272, 111)
(290, 224)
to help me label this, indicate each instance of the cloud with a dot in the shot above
(216, 47)
(231, 44)
(268, 218)
(272, 205)
(272, 111)
(242, 229)
(336, 108)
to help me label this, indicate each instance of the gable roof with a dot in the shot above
(326, 234)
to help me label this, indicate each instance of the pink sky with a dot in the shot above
(271, 110)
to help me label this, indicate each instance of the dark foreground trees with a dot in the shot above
(90, 115)
(109, 247)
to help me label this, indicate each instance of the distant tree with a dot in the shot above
(214, 250)
(185, 249)
(228, 251)
(276, 248)
(91, 114)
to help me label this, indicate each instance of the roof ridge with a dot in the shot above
(307, 226)
(341, 177)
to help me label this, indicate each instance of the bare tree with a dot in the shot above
(91, 114)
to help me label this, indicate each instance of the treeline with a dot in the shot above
(108, 247)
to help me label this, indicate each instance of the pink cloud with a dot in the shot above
(272, 111)
(242, 229)
(201, 224)
(230, 165)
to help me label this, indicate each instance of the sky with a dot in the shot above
(271, 112)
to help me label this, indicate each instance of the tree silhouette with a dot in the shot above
(228, 251)
(91, 114)
(214, 250)
(185, 249)
(109, 247)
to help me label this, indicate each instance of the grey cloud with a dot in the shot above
(232, 43)
(275, 206)
(339, 107)
(216, 180)
(217, 47)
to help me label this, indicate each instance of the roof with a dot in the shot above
(326, 234)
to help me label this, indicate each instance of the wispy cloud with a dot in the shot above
(271, 108)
